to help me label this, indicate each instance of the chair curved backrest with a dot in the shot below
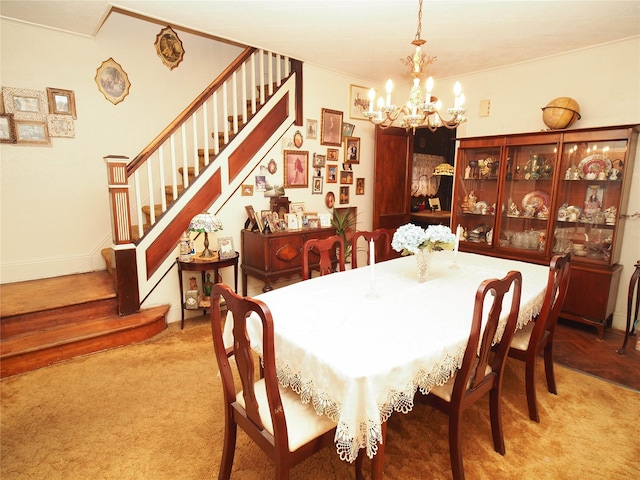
(472, 374)
(331, 252)
(382, 240)
(536, 336)
(258, 405)
(479, 374)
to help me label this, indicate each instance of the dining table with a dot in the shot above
(359, 344)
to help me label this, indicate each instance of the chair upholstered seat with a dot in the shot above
(303, 424)
(445, 391)
(521, 338)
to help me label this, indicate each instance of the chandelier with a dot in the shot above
(419, 111)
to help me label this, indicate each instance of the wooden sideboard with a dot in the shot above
(270, 256)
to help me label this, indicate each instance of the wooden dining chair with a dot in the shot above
(331, 252)
(537, 336)
(382, 240)
(479, 375)
(275, 418)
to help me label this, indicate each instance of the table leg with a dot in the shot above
(377, 463)
(235, 276)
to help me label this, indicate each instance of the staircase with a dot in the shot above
(46, 321)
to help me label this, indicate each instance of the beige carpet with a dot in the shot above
(152, 411)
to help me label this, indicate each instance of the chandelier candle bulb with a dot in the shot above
(389, 90)
(372, 98)
(429, 89)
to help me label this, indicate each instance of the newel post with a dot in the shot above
(124, 250)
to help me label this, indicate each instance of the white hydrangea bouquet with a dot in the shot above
(410, 238)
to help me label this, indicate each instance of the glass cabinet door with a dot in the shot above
(526, 198)
(589, 196)
(476, 193)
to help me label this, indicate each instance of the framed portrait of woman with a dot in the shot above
(331, 129)
(296, 169)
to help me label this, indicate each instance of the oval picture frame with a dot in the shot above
(112, 81)
(169, 47)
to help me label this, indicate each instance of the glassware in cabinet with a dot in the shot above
(476, 193)
(526, 197)
(590, 197)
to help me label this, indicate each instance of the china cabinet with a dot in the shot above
(530, 196)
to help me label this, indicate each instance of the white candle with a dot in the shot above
(372, 252)
(389, 90)
(372, 97)
(457, 242)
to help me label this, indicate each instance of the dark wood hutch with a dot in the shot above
(530, 196)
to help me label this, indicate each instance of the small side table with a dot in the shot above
(200, 265)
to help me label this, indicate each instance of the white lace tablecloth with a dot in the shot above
(358, 345)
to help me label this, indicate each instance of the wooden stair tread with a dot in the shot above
(77, 331)
(43, 294)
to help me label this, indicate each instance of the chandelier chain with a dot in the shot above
(419, 31)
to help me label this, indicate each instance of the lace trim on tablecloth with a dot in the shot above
(369, 436)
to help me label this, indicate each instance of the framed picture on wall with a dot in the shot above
(25, 104)
(344, 195)
(331, 128)
(317, 185)
(7, 128)
(35, 133)
(352, 149)
(61, 102)
(113, 81)
(358, 102)
(296, 169)
(312, 129)
(169, 47)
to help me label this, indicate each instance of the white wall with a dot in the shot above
(54, 210)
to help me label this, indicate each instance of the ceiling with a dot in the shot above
(367, 38)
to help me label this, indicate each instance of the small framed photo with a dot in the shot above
(296, 169)
(316, 187)
(358, 102)
(314, 222)
(347, 129)
(261, 183)
(34, 133)
(7, 128)
(346, 177)
(247, 190)
(61, 102)
(332, 173)
(225, 248)
(332, 154)
(319, 160)
(292, 221)
(331, 128)
(325, 218)
(344, 195)
(251, 221)
(312, 129)
(113, 81)
(359, 186)
(352, 149)
(297, 207)
(434, 204)
(61, 126)
(25, 104)
(169, 47)
(329, 200)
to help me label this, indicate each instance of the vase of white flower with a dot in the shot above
(423, 261)
(411, 239)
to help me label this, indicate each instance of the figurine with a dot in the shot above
(614, 174)
(610, 215)
(513, 209)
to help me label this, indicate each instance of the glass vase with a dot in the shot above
(423, 261)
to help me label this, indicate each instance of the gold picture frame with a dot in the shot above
(113, 82)
(358, 101)
(331, 128)
(61, 126)
(169, 47)
(296, 169)
(352, 149)
(32, 132)
(61, 102)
